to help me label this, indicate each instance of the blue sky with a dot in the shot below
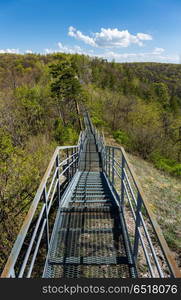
(140, 30)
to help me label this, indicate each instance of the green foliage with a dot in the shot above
(122, 137)
(30, 108)
(6, 147)
(166, 164)
(144, 103)
(65, 85)
(162, 93)
(20, 175)
(98, 122)
(29, 133)
(64, 134)
(66, 89)
(173, 241)
(71, 136)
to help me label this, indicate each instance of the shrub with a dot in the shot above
(122, 137)
(64, 134)
(166, 164)
(98, 122)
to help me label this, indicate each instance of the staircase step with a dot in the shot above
(91, 260)
(89, 201)
(89, 193)
(91, 230)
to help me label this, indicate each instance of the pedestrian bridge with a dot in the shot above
(90, 219)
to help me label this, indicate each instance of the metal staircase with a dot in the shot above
(88, 240)
(103, 225)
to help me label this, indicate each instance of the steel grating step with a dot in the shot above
(92, 230)
(91, 180)
(88, 237)
(82, 244)
(95, 185)
(88, 271)
(90, 204)
(90, 201)
(90, 196)
(89, 193)
(91, 260)
(104, 210)
(89, 189)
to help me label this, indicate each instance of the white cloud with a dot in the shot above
(71, 50)
(155, 55)
(29, 51)
(67, 49)
(158, 51)
(50, 51)
(73, 32)
(144, 36)
(109, 38)
(15, 51)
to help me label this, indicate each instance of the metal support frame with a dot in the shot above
(138, 223)
(58, 178)
(45, 199)
(109, 162)
(68, 171)
(122, 180)
(113, 166)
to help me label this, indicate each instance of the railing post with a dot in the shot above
(109, 153)
(12, 274)
(137, 225)
(122, 180)
(78, 160)
(103, 159)
(72, 163)
(58, 177)
(77, 157)
(46, 217)
(75, 162)
(105, 155)
(68, 169)
(113, 166)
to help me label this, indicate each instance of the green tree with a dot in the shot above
(66, 88)
(162, 93)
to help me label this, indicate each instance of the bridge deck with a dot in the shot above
(89, 239)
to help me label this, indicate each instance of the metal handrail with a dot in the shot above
(139, 201)
(45, 199)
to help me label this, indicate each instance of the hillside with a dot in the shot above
(163, 192)
(41, 97)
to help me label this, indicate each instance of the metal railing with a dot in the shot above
(35, 232)
(153, 258)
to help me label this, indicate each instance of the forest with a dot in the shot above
(41, 97)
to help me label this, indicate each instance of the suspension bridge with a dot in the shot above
(90, 219)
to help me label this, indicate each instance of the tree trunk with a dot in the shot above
(78, 114)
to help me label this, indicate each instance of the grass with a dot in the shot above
(164, 194)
